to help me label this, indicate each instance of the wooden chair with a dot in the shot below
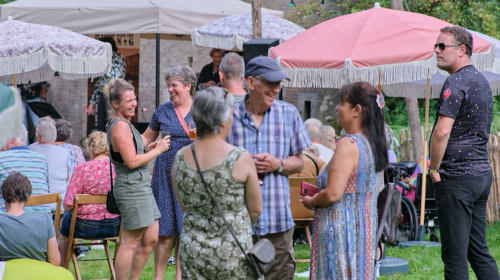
(302, 216)
(75, 242)
(47, 199)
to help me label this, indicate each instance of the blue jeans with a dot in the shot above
(88, 229)
(461, 207)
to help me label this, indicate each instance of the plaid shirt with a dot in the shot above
(281, 134)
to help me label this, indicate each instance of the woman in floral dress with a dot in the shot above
(207, 248)
(345, 218)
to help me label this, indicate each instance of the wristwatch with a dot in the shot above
(432, 171)
(281, 166)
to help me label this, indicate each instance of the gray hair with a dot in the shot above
(313, 150)
(22, 134)
(46, 118)
(210, 109)
(183, 74)
(47, 131)
(114, 89)
(461, 37)
(328, 137)
(233, 66)
(64, 130)
(314, 128)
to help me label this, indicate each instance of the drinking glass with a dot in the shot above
(192, 131)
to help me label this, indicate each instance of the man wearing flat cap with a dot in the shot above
(273, 133)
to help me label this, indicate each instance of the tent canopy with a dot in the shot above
(125, 16)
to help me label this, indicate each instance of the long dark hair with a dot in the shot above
(372, 122)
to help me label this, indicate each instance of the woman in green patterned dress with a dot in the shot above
(207, 248)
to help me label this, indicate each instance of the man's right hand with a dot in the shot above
(208, 84)
(90, 109)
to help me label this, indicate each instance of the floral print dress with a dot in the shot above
(207, 248)
(344, 234)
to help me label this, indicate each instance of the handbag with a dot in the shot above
(260, 258)
(111, 205)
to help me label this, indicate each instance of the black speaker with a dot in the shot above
(256, 47)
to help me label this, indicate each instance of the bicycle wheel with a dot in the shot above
(409, 223)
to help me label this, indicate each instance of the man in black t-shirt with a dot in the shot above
(459, 160)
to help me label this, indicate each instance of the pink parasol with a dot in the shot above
(379, 46)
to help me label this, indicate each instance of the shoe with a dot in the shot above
(171, 261)
(80, 252)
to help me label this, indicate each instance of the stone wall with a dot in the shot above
(172, 53)
(70, 97)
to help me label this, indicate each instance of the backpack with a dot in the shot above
(389, 214)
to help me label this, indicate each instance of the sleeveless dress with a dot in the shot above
(207, 249)
(165, 119)
(344, 234)
(131, 188)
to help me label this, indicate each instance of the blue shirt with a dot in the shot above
(282, 134)
(32, 165)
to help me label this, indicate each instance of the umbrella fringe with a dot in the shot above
(83, 67)
(22, 64)
(12, 118)
(496, 66)
(390, 74)
(234, 42)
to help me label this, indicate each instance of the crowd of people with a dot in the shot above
(248, 145)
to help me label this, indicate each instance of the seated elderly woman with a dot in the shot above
(328, 137)
(312, 163)
(23, 234)
(92, 177)
(64, 133)
(57, 157)
(206, 250)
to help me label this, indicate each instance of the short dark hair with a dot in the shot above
(461, 36)
(16, 188)
(373, 120)
(214, 50)
(109, 39)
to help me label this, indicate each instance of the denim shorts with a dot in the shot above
(88, 229)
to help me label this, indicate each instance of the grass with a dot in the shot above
(425, 263)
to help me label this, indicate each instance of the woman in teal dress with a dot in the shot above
(131, 187)
(345, 218)
(207, 248)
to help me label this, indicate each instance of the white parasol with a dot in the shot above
(231, 32)
(32, 53)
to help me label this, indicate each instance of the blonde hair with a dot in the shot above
(97, 143)
(114, 89)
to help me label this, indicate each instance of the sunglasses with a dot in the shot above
(443, 46)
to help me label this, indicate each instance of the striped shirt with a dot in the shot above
(32, 165)
(282, 134)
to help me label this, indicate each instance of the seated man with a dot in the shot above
(23, 234)
(57, 157)
(15, 156)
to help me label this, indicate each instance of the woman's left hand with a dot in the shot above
(306, 201)
(150, 146)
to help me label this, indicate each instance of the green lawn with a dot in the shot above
(425, 263)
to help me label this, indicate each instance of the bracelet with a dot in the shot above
(311, 205)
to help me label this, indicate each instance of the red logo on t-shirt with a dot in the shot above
(446, 93)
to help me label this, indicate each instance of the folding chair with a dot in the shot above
(75, 242)
(302, 216)
(47, 199)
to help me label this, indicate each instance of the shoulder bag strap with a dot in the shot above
(182, 122)
(315, 165)
(214, 203)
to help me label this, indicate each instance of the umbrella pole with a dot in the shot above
(426, 151)
(157, 102)
(14, 80)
